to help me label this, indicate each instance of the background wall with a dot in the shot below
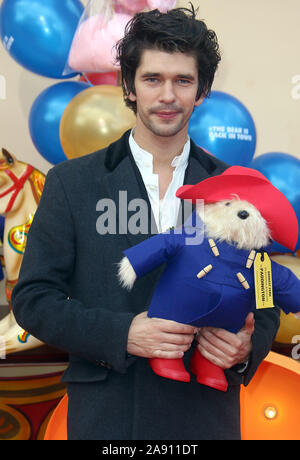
(260, 43)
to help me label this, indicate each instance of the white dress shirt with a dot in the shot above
(165, 211)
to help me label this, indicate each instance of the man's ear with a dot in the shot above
(131, 96)
(200, 100)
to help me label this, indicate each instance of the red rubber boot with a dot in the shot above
(170, 368)
(208, 373)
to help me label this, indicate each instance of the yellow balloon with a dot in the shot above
(93, 119)
(289, 324)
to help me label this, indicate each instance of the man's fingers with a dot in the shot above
(173, 326)
(167, 354)
(212, 357)
(178, 339)
(166, 346)
(249, 324)
(220, 347)
(155, 337)
(217, 356)
(220, 339)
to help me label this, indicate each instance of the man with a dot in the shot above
(68, 293)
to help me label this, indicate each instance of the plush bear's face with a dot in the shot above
(236, 221)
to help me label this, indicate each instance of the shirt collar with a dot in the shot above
(144, 159)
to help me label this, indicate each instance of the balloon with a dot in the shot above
(45, 115)
(289, 324)
(133, 5)
(283, 171)
(105, 78)
(94, 119)
(92, 49)
(224, 127)
(38, 33)
(139, 5)
(161, 5)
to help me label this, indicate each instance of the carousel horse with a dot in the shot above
(21, 186)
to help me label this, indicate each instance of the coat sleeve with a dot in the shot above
(154, 251)
(41, 302)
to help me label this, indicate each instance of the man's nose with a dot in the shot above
(167, 93)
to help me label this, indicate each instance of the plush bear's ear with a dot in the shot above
(7, 156)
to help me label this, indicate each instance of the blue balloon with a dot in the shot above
(45, 116)
(223, 126)
(283, 170)
(38, 33)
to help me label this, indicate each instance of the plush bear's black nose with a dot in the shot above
(243, 214)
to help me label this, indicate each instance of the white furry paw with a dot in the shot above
(126, 274)
(297, 315)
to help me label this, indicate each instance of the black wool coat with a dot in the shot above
(69, 297)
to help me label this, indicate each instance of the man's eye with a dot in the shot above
(151, 80)
(184, 82)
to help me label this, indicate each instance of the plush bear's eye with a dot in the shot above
(228, 203)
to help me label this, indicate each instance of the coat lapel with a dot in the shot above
(195, 172)
(125, 187)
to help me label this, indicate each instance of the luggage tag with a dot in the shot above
(263, 281)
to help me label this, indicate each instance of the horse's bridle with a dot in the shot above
(18, 183)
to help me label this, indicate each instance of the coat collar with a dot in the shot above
(117, 151)
(199, 167)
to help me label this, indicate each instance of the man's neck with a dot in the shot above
(163, 149)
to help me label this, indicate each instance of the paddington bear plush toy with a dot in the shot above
(227, 273)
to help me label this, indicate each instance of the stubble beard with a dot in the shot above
(164, 128)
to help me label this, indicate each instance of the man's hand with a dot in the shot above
(159, 338)
(224, 348)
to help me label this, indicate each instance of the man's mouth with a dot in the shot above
(166, 115)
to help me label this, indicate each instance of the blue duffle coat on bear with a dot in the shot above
(218, 299)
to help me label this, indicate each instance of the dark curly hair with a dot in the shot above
(175, 31)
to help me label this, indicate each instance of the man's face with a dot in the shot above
(166, 86)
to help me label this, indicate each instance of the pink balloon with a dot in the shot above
(161, 5)
(133, 5)
(116, 26)
(92, 49)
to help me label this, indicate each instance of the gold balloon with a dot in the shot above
(93, 119)
(289, 324)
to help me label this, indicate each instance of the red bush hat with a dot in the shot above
(252, 186)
